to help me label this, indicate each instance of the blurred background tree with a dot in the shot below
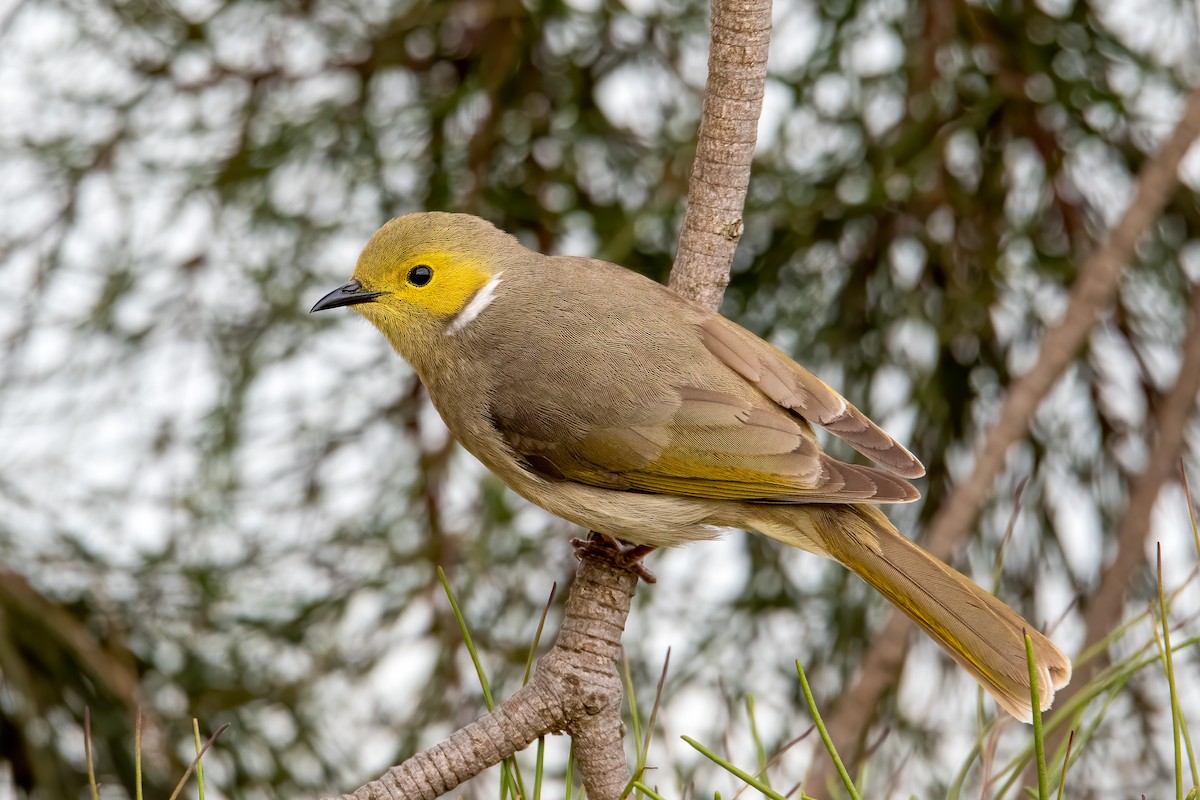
(214, 505)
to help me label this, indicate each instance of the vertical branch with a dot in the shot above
(1092, 292)
(576, 687)
(591, 644)
(733, 95)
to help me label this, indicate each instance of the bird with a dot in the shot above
(606, 399)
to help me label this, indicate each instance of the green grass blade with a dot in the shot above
(1039, 739)
(467, 640)
(1109, 685)
(568, 776)
(1187, 495)
(773, 760)
(520, 782)
(87, 752)
(539, 768)
(199, 763)
(1187, 738)
(837, 761)
(539, 764)
(1109, 682)
(643, 747)
(1169, 663)
(760, 752)
(1187, 744)
(646, 790)
(731, 769)
(137, 755)
(187, 773)
(1119, 631)
(509, 765)
(635, 719)
(633, 782)
(537, 636)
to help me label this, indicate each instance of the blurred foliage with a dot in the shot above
(240, 508)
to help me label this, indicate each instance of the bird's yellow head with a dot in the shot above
(423, 275)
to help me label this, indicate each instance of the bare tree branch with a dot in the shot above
(1092, 292)
(576, 687)
(733, 96)
(1106, 604)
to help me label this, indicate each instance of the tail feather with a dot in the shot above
(981, 633)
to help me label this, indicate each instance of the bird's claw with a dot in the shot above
(610, 550)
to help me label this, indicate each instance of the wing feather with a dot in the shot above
(793, 387)
(707, 444)
(726, 417)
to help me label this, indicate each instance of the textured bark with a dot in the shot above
(733, 96)
(1093, 291)
(586, 657)
(576, 687)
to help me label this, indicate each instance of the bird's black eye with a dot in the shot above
(420, 275)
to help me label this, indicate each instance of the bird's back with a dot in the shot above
(598, 343)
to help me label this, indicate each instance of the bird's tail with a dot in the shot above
(978, 631)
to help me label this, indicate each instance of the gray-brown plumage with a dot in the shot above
(604, 398)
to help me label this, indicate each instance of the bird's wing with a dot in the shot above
(697, 443)
(795, 388)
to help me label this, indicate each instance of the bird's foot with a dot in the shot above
(602, 547)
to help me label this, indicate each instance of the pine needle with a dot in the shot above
(199, 763)
(1039, 739)
(731, 769)
(837, 761)
(87, 752)
(1169, 663)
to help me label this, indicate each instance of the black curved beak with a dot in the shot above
(350, 294)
